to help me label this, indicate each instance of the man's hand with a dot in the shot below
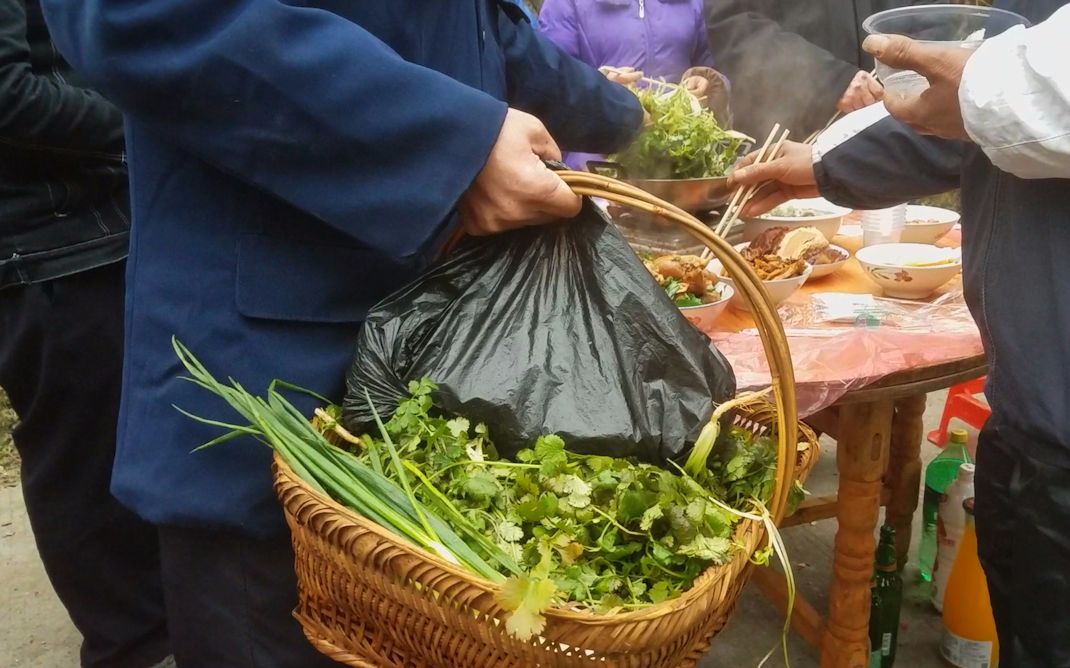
(697, 86)
(935, 111)
(625, 76)
(863, 91)
(790, 176)
(515, 189)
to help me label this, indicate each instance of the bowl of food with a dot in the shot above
(926, 224)
(910, 271)
(781, 278)
(961, 25)
(816, 212)
(681, 156)
(699, 294)
(806, 243)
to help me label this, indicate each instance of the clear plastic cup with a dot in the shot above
(966, 26)
(884, 226)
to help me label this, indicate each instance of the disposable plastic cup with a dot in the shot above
(884, 226)
(965, 26)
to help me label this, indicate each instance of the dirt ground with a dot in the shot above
(36, 632)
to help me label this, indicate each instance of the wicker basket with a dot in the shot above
(367, 598)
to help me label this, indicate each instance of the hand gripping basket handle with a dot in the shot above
(746, 280)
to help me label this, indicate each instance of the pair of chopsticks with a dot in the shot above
(742, 195)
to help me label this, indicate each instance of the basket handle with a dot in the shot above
(768, 323)
(766, 320)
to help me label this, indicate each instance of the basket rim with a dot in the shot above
(807, 450)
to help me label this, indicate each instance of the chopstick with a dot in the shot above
(743, 194)
(835, 117)
(656, 82)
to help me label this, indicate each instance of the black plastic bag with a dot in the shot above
(553, 329)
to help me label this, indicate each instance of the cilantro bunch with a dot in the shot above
(679, 142)
(600, 532)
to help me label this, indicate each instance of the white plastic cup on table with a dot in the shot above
(966, 26)
(884, 226)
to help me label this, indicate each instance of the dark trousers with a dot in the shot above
(1023, 529)
(61, 364)
(230, 600)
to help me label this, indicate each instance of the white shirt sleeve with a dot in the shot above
(1015, 99)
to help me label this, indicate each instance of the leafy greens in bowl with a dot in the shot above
(679, 142)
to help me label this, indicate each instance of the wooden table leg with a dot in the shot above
(903, 479)
(861, 453)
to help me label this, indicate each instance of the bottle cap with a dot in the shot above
(966, 472)
(960, 436)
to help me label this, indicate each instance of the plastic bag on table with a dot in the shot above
(551, 329)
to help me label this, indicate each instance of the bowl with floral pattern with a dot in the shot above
(910, 271)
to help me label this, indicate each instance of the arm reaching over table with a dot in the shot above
(865, 161)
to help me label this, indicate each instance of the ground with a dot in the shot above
(9, 460)
(41, 636)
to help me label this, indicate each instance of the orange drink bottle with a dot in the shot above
(969, 629)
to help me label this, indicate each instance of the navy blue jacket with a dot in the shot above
(291, 164)
(1016, 241)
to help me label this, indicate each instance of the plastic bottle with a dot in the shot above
(950, 525)
(970, 639)
(939, 475)
(886, 598)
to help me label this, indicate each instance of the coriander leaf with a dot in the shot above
(510, 532)
(652, 514)
(634, 503)
(458, 427)
(659, 592)
(716, 550)
(550, 453)
(480, 485)
(526, 598)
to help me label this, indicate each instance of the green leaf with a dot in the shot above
(716, 550)
(526, 598)
(652, 514)
(481, 485)
(550, 453)
(659, 592)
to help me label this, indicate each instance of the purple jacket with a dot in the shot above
(663, 38)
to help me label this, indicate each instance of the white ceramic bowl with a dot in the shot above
(703, 317)
(779, 291)
(927, 233)
(828, 223)
(888, 265)
(822, 270)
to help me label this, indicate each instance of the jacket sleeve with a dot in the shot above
(297, 101)
(788, 80)
(582, 109)
(560, 24)
(869, 160)
(1015, 99)
(40, 113)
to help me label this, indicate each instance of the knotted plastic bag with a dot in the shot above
(551, 329)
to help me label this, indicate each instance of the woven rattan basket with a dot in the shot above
(368, 598)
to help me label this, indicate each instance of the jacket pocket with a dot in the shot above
(295, 280)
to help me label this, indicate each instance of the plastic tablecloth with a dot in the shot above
(833, 354)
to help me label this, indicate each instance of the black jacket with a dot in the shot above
(789, 61)
(63, 187)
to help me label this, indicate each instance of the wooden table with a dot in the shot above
(878, 430)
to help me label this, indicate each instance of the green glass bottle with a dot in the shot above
(886, 600)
